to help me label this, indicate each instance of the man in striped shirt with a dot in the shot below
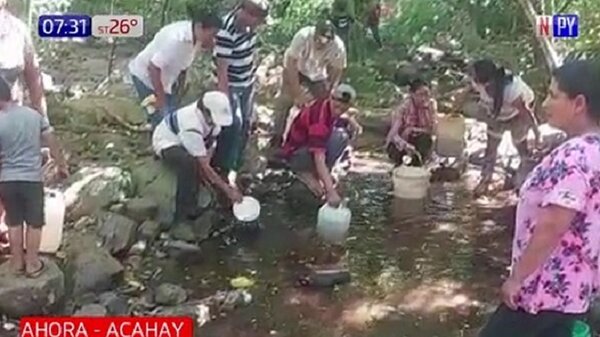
(235, 54)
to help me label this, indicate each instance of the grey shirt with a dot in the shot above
(21, 131)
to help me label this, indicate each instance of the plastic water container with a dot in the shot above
(333, 223)
(54, 211)
(411, 182)
(581, 329)
(450, 134)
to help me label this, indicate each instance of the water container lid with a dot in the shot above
(580, 329)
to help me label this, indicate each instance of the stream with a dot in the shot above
(418, 269)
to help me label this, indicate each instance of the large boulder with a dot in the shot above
(141, 209)
(118, 233)
(90, 268)
(94, 188)
(21, 296)
(152, 180)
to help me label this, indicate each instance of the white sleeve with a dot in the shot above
(298, 42)
(339, 58)
(168, 54)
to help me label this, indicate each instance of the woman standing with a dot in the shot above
(413, 124)
(505, 104)
(554, 272)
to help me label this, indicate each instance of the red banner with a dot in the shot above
(106, 327)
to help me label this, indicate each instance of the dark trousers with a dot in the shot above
(421, 141)
(506, 322)
(375, 30)
(229, 154)
(186, 168)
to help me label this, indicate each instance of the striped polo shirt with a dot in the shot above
(238, 48)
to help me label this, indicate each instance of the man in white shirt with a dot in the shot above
(160, 68)
(315, 60)
(185, 141)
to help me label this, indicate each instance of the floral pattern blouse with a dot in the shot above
(567, 177)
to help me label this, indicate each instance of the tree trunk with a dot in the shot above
(551, 56)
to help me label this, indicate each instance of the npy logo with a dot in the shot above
(563, 26)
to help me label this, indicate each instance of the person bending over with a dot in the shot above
(313, 144)
(185, 141)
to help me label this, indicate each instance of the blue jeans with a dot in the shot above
(144, 91)
(232, 140)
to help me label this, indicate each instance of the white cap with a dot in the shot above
(344, 92)
(218, 105)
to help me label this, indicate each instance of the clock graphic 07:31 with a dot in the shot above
(65, 25)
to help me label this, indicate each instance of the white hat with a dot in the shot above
(217, 103)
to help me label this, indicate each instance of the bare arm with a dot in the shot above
(49, 139)
(527, 111)
(292, 78)
(33, 81)
(553, 223)
(323, 171)
(335, 76)
(223, 80)
(155, 77)
(216, 180)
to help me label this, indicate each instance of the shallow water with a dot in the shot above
(419, 269)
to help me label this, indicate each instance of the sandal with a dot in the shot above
(38, 272)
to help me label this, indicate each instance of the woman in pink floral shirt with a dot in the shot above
(554, 272)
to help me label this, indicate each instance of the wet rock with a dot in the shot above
(20, 296)
(199, 309)
(91, 268)
(91, 310)
(153, 180)
(205, 223)
(169, 294)
(149, 230)
(184, 232)
(141, 209)
(93, 189)
(117, 232)
(114, 303)
(301, 198)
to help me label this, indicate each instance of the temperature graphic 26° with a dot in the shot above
(117, 26)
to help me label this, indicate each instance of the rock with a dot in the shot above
(153, 180)
(141, 209)
(149, 230)
(301, 198)
(204, 225)
(184, 232)
(169, 294)
(90, 267)
(91, 310)
(93, 189)
(115, 304)
(20, 296)
(118, 233)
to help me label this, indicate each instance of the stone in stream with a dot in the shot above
(183, 231)
(169, 294)
(204, 225)
(91, 310)
(90, 268)
(95, 188)
(21, 296)
(153, 180)
(115, 304)
(141, 209)
(118, 233)
(149, 230)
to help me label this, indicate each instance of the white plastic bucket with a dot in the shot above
(450, 136)
(411, 182)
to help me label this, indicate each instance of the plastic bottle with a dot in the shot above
(54, 211)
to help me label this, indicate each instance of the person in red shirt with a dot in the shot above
(314, 144)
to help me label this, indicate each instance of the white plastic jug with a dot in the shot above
(450, 134)
(333, 223)
(54, 211)
(411, 182)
